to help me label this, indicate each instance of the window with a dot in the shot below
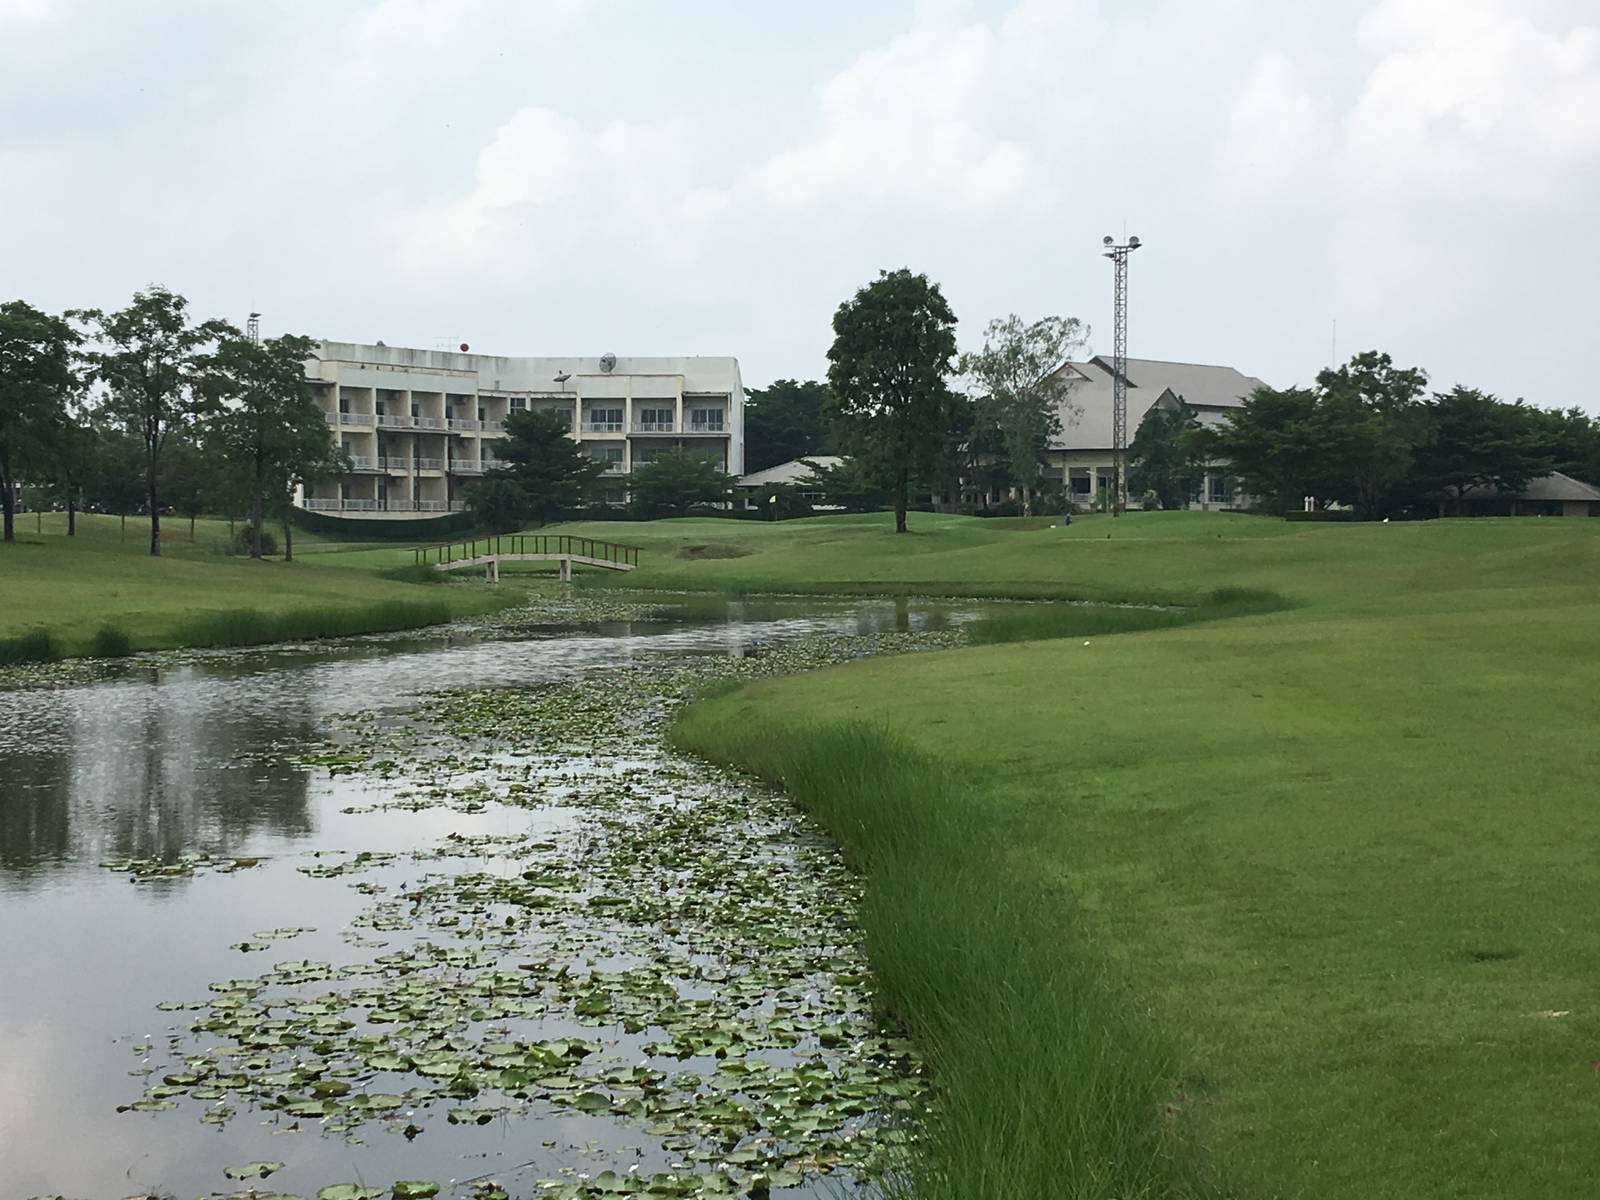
(656, 419)
(519, 403)
(344, 404)
(1221, 489)
(708, 420)
(481, 417)
(606, 454)
(416, 411)
(607, 420)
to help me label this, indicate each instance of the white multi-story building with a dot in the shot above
(421, 425)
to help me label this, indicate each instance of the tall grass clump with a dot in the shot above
(414, 573)
(1039, 622)
(1050, 1081)
(110, 642)
(250, 627)
(34, 647)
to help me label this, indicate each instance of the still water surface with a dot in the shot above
(173, 754)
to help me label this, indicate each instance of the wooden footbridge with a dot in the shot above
(490, 552)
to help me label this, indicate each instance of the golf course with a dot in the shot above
(1276, 882)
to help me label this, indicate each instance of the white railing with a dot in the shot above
(395, 464)
(428, 422)
(461, 423)
(432, 506)
(384, 505)
(359, 505)
(394, 420)
(355, 418)
(615, 468)
(458, 506)
(602, 426)
(429, 464)
(706, 427)
(323, 505)
(654, 426)
(361, 462)
(331, 418)
(466, 466)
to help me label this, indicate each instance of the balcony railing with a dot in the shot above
(385, 505)
(332, 418)
(458, 506)
(654, 426)
(707, 427)
(432, 506)
(395, 420)
(429, 464)
(465, 466)
(614, 468)
(428, 422)
(463, 423)
(355, 418)
(395, 464)
(362, 462)
(602, 426)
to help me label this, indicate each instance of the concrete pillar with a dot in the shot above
(566, 570)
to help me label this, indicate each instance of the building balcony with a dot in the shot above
(602, 426)
(363, 462)
(428, 422)
(463, 423)
(458, 506)
(431, 506)
(395, 420)
(349, 418)
(465, 466)
(706, 427)
(394, 464)
(332, 418)
(428, 464)
(655, 426)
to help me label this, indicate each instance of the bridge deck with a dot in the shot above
(514, 547)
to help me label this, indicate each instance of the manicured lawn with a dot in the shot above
(1345, 853)
(72, 587)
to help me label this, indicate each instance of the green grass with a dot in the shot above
(98, 594)
(1342, 852)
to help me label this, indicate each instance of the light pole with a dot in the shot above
(1118, 254)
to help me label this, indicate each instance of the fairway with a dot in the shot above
(1344, 852)
(195, 593)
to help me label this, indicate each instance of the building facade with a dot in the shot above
(1082, 455)
(420, 426)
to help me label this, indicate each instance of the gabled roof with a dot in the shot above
(1554, 486)
(1086, 415)
(792, 471)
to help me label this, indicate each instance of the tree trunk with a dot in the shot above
(8, 498)
(901, 487)
(72, 515)
(288, 539)
(255, 524)
(155, 514)
(191, 527)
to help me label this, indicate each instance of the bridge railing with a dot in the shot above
(549, 544)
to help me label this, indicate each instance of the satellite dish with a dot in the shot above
(608, 363)
(464, 347)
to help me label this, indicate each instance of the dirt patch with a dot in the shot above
(714, 550)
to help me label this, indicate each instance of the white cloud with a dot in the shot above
(33, 11)
(1472, 94)
(1274, 128)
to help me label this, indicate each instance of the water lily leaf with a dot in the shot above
(414, 1189)
(255, 1170)
(349, 1191)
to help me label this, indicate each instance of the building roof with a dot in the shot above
(1086, 416)
(792, 471)
(1554, 486)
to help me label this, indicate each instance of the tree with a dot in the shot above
(1019, 390)
(780, 501)
(784, 422)
(1164, 455)
(497, 503)
(35, 378)
(676, 482)
(152, 361)
(266, 427)
(891, 355)
(1477, 440)
(1270, 443)
(552, 472)
(70, 459)
(1372, 417)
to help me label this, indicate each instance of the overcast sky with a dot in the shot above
(714, 176)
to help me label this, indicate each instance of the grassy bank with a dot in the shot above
(1340, 853)
(99, 594)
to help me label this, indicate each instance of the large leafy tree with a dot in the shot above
(497, 504)
(1370, 416)
(784, 422)
(893, 346)
(676, 482)
(1164, 456)
(152, 360)
(265, 425)
(1019, 391)
(36, 377)
(1271, 443)
(1477, 440)
(552, 473)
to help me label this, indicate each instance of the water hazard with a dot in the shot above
(438, 909)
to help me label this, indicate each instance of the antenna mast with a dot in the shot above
(1118, 254)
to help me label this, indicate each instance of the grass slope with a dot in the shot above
(1344, 851)
(72, 588)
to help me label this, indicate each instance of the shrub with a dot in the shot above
(110, 642)
(243, 541)
(38, 646)
(413, 573)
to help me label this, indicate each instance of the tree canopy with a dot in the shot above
(1019, 391)
(677, 481)
(551, 473)
(893, 346)
(36, 377)
(784, 422)
(1164, 457)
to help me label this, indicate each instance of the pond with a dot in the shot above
(439, 908)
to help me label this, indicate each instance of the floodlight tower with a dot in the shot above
(1118, 254)
(252, 327)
